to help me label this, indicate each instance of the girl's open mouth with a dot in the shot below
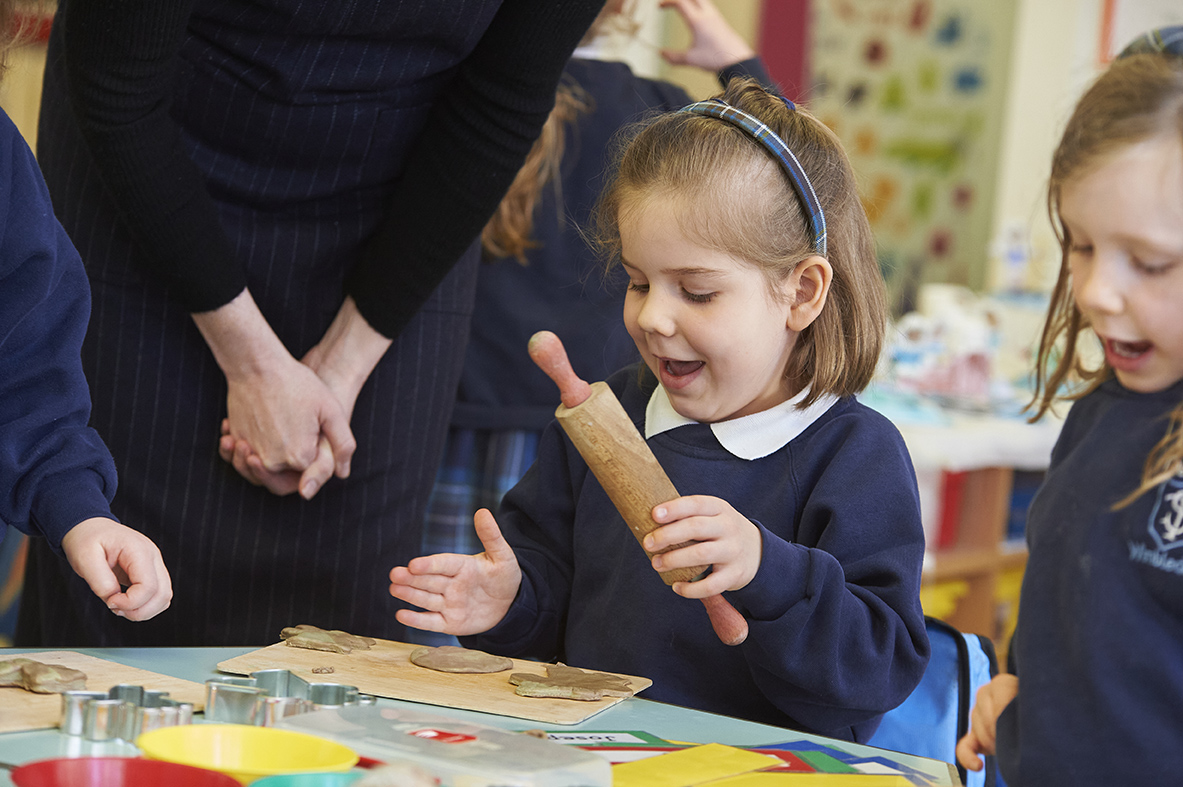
(1128, 349)
(681, 368)
(1126, 356)
(676, 375)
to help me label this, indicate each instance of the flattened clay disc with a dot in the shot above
(449, 658)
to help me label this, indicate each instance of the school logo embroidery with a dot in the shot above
(1166, 523)
(1165, 529)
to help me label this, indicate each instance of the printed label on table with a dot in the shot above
(604, 738)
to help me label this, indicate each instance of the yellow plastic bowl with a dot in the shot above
(246, 753)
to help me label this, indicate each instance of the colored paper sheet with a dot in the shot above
(790, 762)
(803, 745)
(696, 765)
(765, 779)
(824, 763)
(883, 765)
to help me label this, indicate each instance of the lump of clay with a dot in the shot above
(313, 638)
(10, 671)
(570, 683)
(449, 658)
(40, 678)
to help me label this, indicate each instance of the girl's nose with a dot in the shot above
(1098, 288)
(654, 315)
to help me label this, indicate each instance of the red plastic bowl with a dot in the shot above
(116, 772)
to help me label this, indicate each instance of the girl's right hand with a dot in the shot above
(460, 594)
(992, 699)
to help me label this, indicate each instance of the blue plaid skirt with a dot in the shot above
(479, 466)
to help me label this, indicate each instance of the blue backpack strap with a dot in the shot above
(977, 664)
(936, 715)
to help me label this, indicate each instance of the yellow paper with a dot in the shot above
(689, 766)
(812, 780)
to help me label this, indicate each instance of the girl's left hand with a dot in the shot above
(725, 539)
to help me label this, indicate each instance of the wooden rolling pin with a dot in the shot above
(606, 438)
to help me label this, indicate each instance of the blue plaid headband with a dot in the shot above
(769, 140)
(1164, 40)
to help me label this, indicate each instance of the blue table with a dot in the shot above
(665, 721)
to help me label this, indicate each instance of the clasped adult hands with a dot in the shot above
(286, 431)
(287, 423)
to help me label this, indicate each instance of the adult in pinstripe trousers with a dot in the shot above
(276, 202)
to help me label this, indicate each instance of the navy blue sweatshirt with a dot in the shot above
(54, 470)
(1099, 645)
(836, 630)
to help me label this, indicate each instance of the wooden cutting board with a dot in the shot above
(22, 710)
(386, 671)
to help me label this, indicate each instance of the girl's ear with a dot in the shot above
(808, 287)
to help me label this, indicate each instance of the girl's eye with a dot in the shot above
(1080, 248)
(695, 297)
(635, 287)
(1153, 269)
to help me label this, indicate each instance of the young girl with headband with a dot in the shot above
(1097, 688)
(756, 302)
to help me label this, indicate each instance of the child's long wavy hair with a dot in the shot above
(11, 29)
(739, 201)
(1138, 97)
(509, 231)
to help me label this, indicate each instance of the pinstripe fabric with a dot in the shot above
(301, 163)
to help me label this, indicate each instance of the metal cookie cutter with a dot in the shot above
(121, 713)
(269, 696)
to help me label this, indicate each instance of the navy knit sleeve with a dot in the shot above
(120, 59)
(54, 470)
(475, 140)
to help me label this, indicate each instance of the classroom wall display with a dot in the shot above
(916, 91)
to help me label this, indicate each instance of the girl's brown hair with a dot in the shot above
(1137, 98)
(738, 200)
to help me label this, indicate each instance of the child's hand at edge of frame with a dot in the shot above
(460, 594)
(724, 539)
(992, 699)
(111, 556)
(714, 44)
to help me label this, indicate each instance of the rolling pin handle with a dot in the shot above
(547, 351)
(728, 624)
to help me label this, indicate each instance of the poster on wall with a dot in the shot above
(916, 91)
